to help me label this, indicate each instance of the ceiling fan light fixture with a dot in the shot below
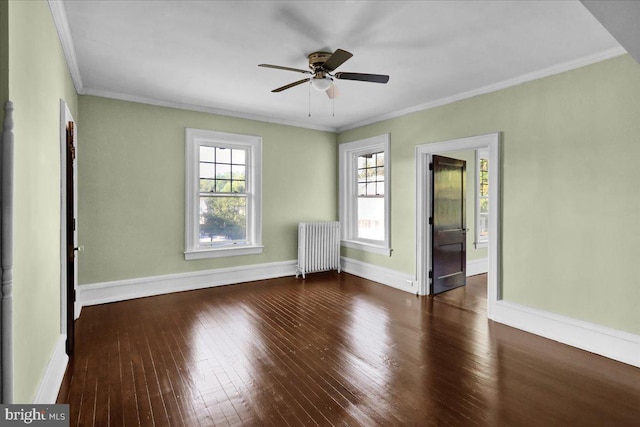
(321, 84)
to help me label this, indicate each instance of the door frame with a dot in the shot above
(423, 208)
(65, 117)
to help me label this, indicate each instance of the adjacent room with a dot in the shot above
(321, 212)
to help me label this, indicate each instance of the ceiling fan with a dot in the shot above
(322, 64)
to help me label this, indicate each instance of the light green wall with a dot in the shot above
(571, 146)
(38, 78)
(469, 156)
(131, 188)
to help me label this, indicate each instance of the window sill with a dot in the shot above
(222, 252)
(480, 245)
(366, 247)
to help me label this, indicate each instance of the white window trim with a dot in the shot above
(194, 138)
(348, 154)
(481, 153)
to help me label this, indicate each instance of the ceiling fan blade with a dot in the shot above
(337, 59)
(279, 67)
(290, 85)
(333, 91)
(375, 78)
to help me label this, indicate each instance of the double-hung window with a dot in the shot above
(482, 198)
(364, 194)
(223, 200)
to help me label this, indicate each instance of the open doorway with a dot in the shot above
(488, 144)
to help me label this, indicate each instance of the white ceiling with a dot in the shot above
(203, 55)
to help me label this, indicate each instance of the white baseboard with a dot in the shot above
(49, 387)
(612, 343)
(77, 309)
(397, 279)
(385, 276)
(477, 266)
(120, 290)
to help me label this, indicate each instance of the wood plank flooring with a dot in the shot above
(333, 349)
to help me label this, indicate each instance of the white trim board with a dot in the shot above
(51, 381)
(385, 276)
(612, 343)
(477, 266)
(121, 290)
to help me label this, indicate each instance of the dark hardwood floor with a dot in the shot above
(333, 349)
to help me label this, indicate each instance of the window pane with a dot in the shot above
(207, 185)
(370, 218)
(483, 229)
(223, 171)
(222, 220)
(238, 186)
(223, 155)
(238, 156)
(223, 185)
(238, 172)
(484, 205)
(380, 188)
(371, 160)
(362, 175)
(207, 170)
(362, 189)
(207, 154)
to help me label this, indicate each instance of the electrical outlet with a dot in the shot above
(410, 283)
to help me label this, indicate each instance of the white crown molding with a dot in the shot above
(202, 109)
(122, 290)
(612, 343)
(51, 381)
(64, 34)
(550, 71)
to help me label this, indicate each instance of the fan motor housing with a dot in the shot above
(317, 59)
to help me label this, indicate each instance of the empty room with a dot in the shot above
(362, 213)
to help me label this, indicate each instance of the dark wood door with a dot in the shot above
(448, 222)
(70, 233)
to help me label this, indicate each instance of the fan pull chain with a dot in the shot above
(309, 98)
(333, 102)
